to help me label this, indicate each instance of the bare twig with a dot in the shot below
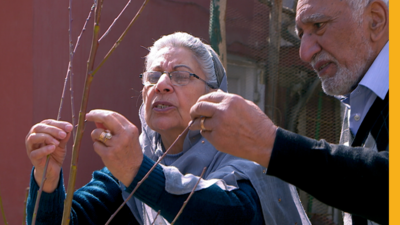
(68, 75)
(188, 198)
(39, 192)
(72, 73)
(70, 64)
(2, 211)
(71, 54)
(155, 218)
(82, 113)
(115, 20)
(148, 173)
(71, 90)
(89, 77)
(120, 38)
(83, 30)
(25, 201)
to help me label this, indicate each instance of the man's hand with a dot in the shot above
(235, 126)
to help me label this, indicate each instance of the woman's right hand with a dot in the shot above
(48, 137)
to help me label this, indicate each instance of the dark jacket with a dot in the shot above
(353, 179)
(95, 202)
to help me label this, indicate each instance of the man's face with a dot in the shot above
(334, 43)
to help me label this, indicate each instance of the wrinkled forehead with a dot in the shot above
(157, 57)
(310, 9)
(302, 6)
(172, 58)
(165, 58)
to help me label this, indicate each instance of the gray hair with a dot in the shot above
(206, 56)
(360, 5)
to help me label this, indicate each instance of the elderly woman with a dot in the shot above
(179, 69)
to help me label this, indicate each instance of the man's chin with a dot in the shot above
(334, 89)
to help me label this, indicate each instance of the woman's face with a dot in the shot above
(167, 106)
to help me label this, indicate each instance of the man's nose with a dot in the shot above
(309, 47)
(164, 84)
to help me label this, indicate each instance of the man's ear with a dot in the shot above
(378, 20)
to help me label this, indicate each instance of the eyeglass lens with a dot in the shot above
(179, 78)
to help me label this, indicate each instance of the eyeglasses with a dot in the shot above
(178, 78)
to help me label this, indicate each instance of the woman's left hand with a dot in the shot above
(122, 153)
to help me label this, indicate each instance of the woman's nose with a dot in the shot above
(164, 84)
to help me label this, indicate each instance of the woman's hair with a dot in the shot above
(206, 56)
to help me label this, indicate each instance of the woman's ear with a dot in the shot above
(143, 92)
(378, 20)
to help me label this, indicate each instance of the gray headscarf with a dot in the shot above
(279, 200)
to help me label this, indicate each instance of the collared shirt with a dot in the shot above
(374, 84)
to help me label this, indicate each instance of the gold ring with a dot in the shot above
(202, 123)
(105, 135)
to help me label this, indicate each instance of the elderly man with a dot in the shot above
(346, 42)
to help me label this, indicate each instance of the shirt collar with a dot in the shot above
(379, 70)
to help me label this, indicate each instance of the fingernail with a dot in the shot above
(62, 134)
(68, 127)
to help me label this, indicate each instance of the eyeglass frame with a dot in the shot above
(170, 76)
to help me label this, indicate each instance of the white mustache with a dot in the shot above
(322, 56)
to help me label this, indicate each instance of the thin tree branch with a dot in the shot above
(71, 90)
(68, 75)
(25, 201)
(115, 20)
(71, 57)
(71, 85)
(89, 77)
(82, 114)
(155, 218)
(120, 38)
(148, 173)
(188, 198)
(71, 54)
(39, 192)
